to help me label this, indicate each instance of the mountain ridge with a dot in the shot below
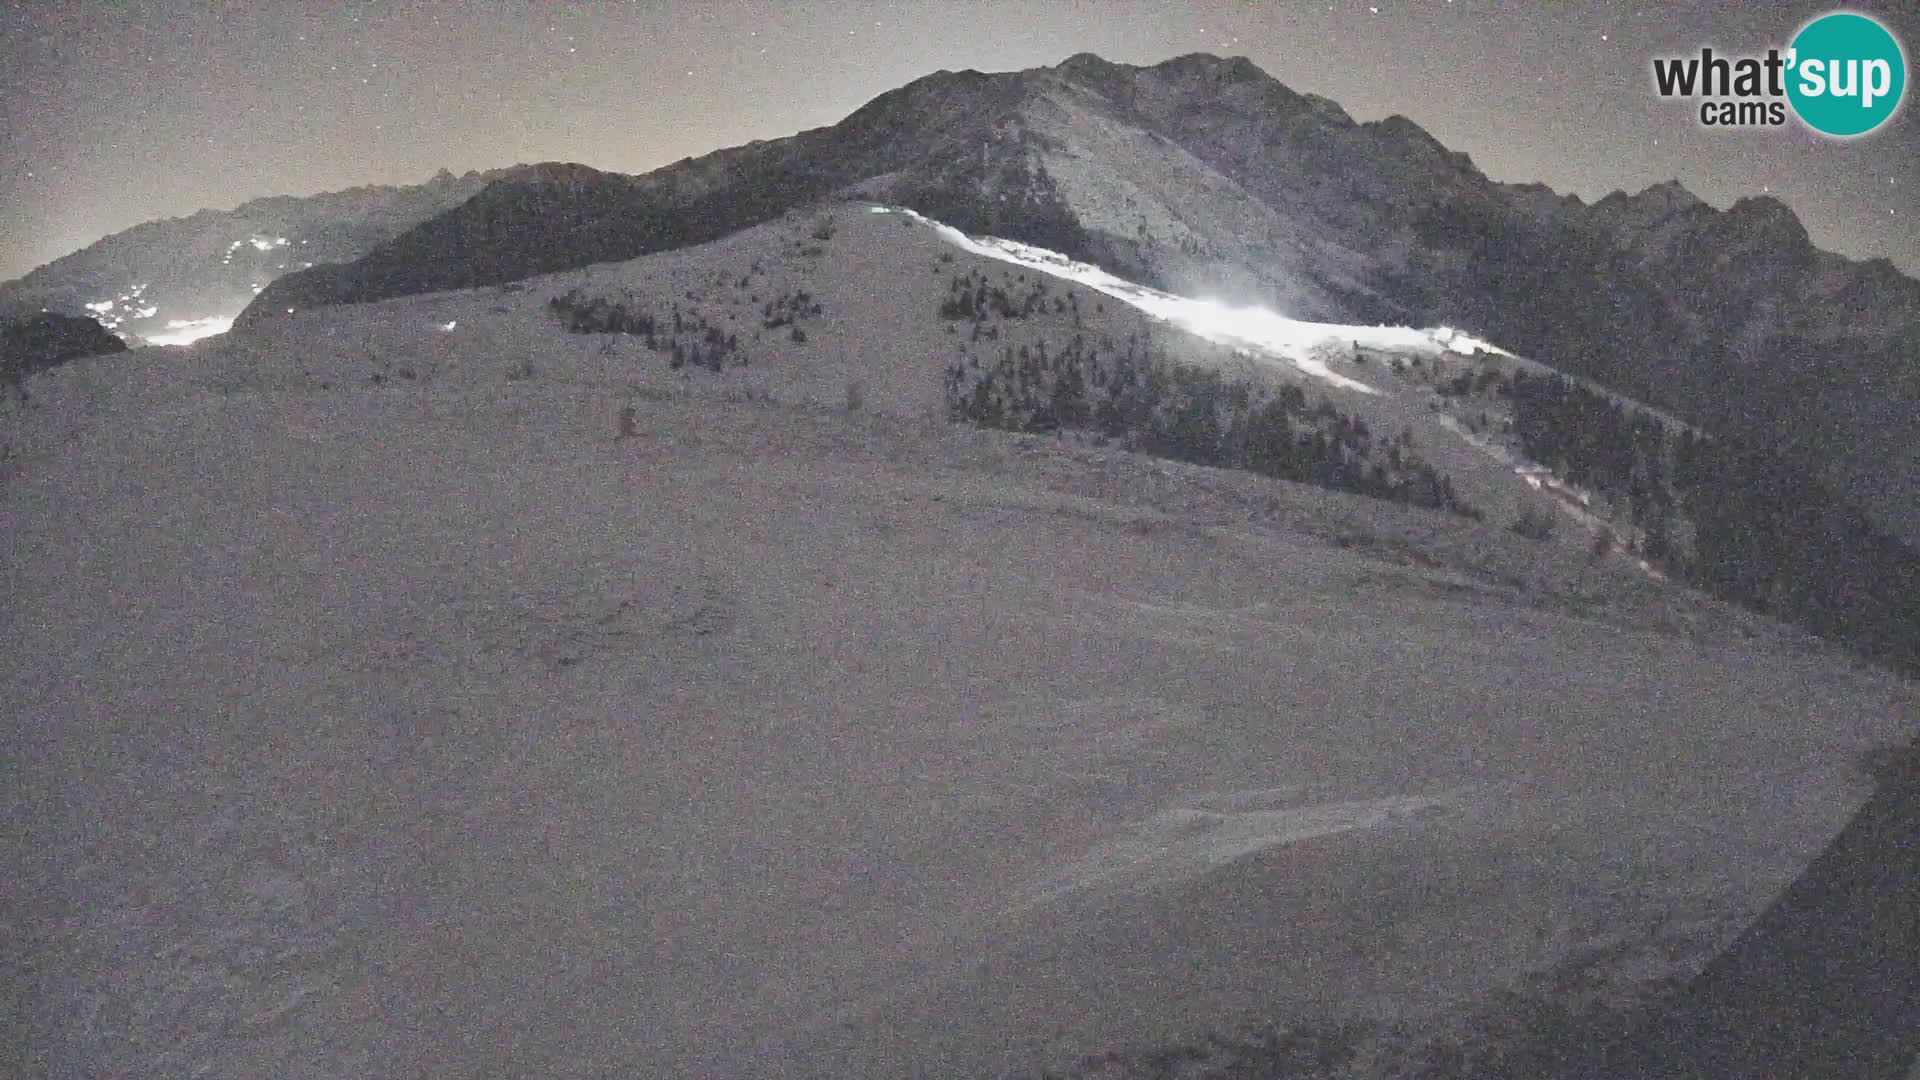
(205, 265)
(1206, 176)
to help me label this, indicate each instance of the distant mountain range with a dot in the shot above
(1206, 176)
(161, 278)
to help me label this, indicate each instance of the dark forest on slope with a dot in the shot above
(1134, 394)
(1764, 534)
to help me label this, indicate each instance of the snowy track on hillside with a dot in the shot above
(1263, 333)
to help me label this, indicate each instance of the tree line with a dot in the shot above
(1731, 517)
(1156, 406)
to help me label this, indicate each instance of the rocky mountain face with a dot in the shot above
(1206, 176)
(1779, 340)
(212, 264)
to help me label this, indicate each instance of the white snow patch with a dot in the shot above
(1464, 344)
(1262, 333)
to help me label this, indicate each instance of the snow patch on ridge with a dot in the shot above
(1261, 333)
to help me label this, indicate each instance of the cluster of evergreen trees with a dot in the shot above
(1762, 533)
(788, 309)
(710, 347)
(598, 315)
(971, 296)
(1185, 413)
(1596, 443)
(687, 338)
(1473, 383)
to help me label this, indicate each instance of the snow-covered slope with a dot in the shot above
(877, 275)
(377, 707)
(879, 281)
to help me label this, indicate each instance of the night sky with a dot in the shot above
(118, 113)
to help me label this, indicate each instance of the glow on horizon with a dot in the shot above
(188, 331)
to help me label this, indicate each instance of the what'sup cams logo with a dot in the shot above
(1843, 75)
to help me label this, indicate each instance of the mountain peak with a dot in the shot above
(1671, 193)
(1653, 203)
(1761, 206)
(1212, 67)
(555, 170)
(1768, 216)
(1403, 129)
(1093, 68)
(1086, 62)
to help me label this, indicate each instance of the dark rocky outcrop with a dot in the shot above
(45, 340)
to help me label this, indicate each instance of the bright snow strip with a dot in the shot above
(1464, 344)
(187, 331)
(1259, 331)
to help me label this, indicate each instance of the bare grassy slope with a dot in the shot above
(426, 728)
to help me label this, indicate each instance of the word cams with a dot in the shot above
(1751, 91)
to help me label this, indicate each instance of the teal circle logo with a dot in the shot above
(1847, 74)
